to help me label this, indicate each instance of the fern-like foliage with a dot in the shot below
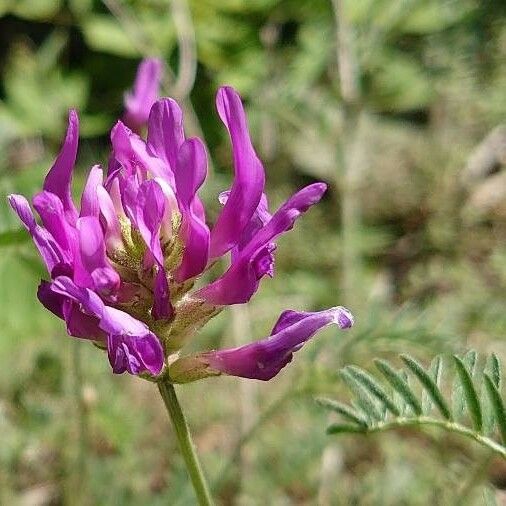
(415, 396)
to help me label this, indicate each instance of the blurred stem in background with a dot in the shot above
(177, 86)
(187, 71)
(241, 329)
(347, 182)
(76, 492)
(222, 477)
(477, 475)
(186, 445)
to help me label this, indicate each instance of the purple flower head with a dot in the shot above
(123, 268)
(139, 101)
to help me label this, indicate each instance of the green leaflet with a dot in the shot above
(493, 370)
(458, 400)
(342, 409)
(497, 405)
(469, 392)
(399, 384)
(375, 408)
(435, 372)
(374, 388)
(365, 401)
(431, 387)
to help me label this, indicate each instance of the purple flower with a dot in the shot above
(123, 268)
(139, 101)
(262, 359)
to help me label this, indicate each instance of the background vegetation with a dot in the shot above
(400, 105)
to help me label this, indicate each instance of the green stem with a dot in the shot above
(185, 443)
(445, 424)
(79, 472)
(478, 475)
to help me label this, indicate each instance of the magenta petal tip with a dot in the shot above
(343, 318)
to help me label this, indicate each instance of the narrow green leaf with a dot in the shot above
(375, 388)
(342, 409)
(458, 394)
(408, 410)
(497, 405)
(365, 401)
(494, 368)
(470, 395)
(429, 384)
(470, 359)
(399, 384)
(401, 404)
(343, 428)
(435, 372)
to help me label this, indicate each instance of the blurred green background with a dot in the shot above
(400, 106)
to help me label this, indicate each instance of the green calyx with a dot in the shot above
(190, 368)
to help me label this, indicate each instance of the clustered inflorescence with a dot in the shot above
(124, 268)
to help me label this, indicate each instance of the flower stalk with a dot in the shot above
(185, 443)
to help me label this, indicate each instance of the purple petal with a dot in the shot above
(145, 206)
(171, 206)
(79, 324)
(145, 91)
(259, 219)
(120, 358)
(49, 249)
(165, 133)
(131, 345)
(162, 307)
(89, 301)
(249, 176)
(132, 339)
(133, 154)
(265, 358)
(111, 222)
(198, 209)
(285, 217)
(114, 189)
(51, 300)
(255, 259)
(113, 168)
(191, 170)
(59, 178)
(82, 325)
(89, 200)
(128, 191)
(50, 209)
(96, 271)
(135, 355)
(22, 208)
(190, 175)
(150, 213)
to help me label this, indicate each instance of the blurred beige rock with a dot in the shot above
(487, 199)
(487, 157)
